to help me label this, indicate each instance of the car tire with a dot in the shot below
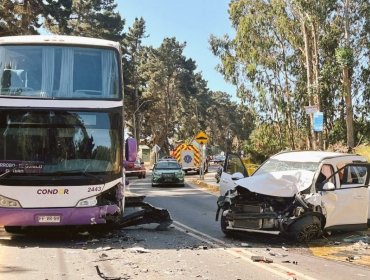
(305, 229)
(143, 176)
(153, 186)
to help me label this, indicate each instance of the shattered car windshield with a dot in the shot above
(274, 165)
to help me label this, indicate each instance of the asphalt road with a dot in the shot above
(193, 248)
(193, 210)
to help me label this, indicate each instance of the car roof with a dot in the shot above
(310, 156)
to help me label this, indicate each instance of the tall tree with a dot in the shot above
(20, 18)
(133, 80)
(89, 18)
(167, 72)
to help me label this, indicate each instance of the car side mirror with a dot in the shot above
(237, 176)
(328, 186)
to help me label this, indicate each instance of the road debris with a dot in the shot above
(148, 214)
(102, 256)
(99, 249)
(101, 275)
(353, 258)
(261, 259)
(246, 245)
(140, 250)
(285, 249)
(357, 238)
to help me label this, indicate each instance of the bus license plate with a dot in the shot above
(48, 219)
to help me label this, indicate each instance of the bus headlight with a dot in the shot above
(8, 202)
(87, 202)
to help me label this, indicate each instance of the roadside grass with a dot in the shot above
(363, 150)
(206, 186)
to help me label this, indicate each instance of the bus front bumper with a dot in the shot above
(57, 216)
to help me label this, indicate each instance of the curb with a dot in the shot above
(204, 185)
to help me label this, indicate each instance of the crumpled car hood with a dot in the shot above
(281, 183)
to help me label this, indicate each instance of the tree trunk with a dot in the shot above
(308, 56)
(347, 84)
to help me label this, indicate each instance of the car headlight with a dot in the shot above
(180, 173)
(87, 202)
(8, 202)
(155, 174)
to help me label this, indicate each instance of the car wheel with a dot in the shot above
(143, 176)
(153, 186)
(305, 229)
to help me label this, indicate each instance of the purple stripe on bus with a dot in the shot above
(68, 216)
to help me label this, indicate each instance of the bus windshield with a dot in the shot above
(59, 72)
(59, 141)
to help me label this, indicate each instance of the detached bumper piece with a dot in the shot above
(147, 215)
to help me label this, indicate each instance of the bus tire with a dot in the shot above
(13, 229)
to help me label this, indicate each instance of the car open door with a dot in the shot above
(233, 170)
(347, 206)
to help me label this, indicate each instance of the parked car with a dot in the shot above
(135, 168)
(167, 172)
(296, 194)
(218, 174)
(219, 159)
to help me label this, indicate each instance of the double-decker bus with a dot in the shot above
(61, 131)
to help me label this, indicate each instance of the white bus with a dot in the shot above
(61, 131)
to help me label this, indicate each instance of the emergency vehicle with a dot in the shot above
(190, 157)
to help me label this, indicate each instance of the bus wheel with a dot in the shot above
(13, 229)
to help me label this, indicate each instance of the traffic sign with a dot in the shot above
(201, 138)
(318, 121)
(156, 148)
(311, 109)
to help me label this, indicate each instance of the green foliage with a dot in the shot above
(277, 72)
(344, 56)
(17, 19)
(264, 142)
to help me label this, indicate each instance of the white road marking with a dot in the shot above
(275, 268)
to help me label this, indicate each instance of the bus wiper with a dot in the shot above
(3, 175)
(83, 172)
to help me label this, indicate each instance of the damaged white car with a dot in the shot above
(296, 194)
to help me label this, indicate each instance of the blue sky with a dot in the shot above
(190, 21)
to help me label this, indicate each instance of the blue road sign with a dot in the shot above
(318, 121)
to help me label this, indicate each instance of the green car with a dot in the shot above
(167, 173)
